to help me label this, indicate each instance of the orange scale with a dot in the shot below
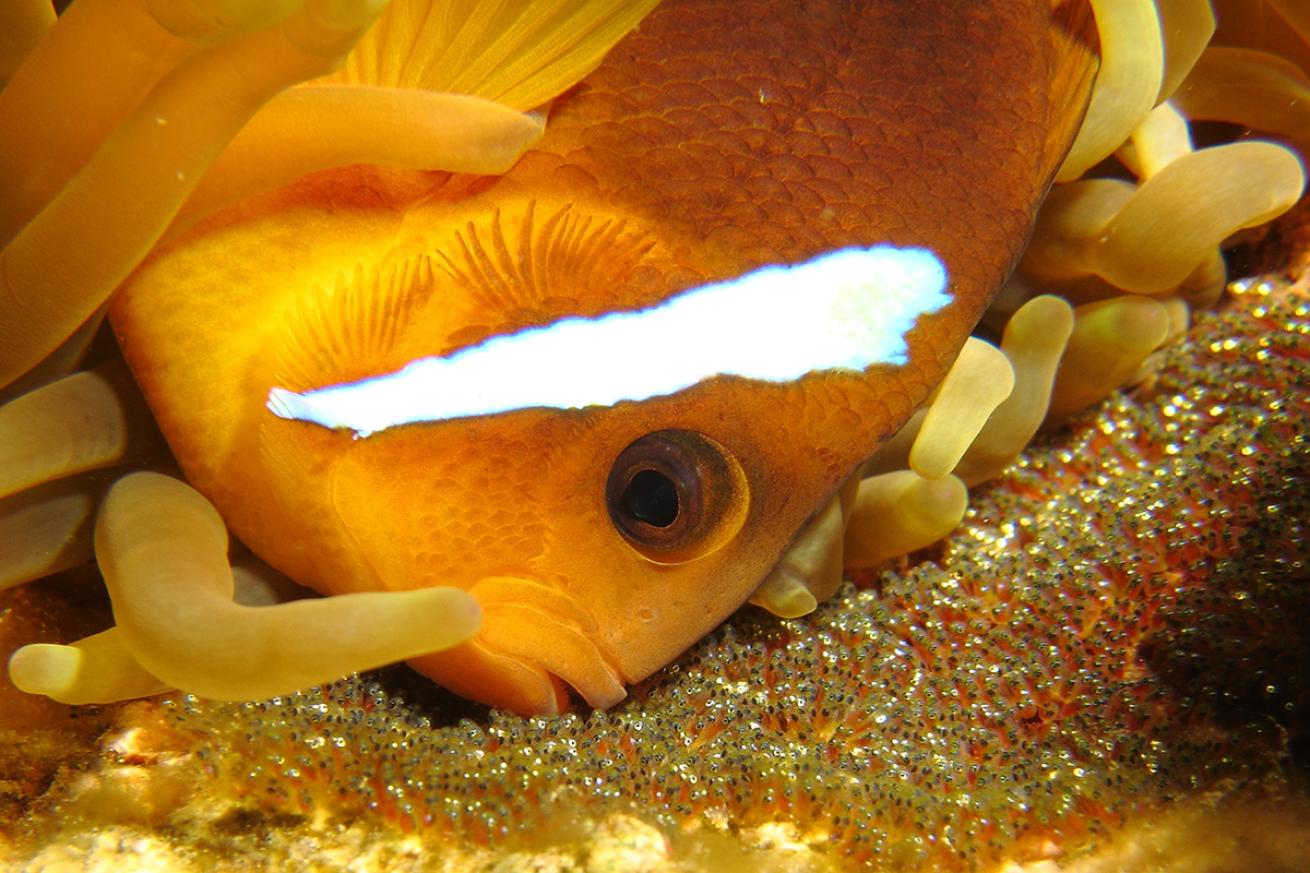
(695, 70)
(685, 92)
(726, 90)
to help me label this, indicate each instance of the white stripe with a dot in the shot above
(844, 310)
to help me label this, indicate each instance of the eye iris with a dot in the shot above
(676, 495)
(651, 497)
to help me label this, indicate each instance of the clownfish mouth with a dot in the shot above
(544, 632)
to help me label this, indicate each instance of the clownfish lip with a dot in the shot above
(544, 630)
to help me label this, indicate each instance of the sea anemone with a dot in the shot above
(1092, 238)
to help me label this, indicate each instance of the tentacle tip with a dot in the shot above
(941, 502)
(798, 603)
(462, 613)
(785, 596)
(44, 668)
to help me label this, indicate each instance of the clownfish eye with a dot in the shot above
(676, 495)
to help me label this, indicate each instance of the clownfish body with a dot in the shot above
(603, 392)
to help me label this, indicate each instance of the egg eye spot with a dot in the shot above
(676, 495)
(651, 497)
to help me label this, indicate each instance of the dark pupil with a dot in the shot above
(651, 497)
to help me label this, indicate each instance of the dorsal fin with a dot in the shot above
(518, 54)
(347, 332)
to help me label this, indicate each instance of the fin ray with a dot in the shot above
(518, 54)
(345, 332)
(515, 268)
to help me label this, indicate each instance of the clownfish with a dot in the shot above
(604, 392)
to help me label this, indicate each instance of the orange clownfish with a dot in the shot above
(604, 392)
